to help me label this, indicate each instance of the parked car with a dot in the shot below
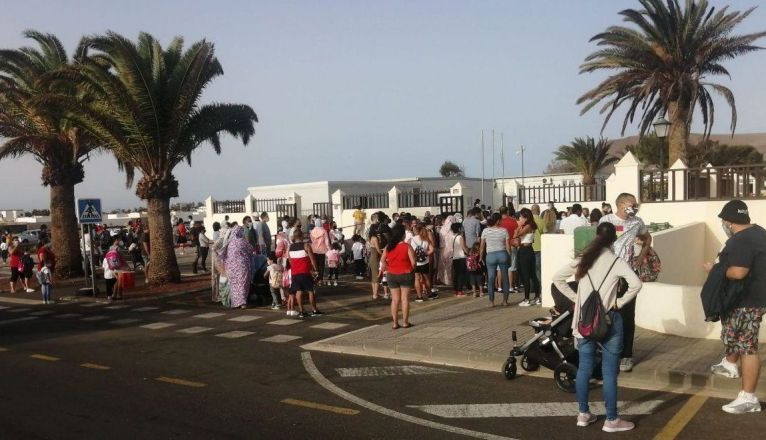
(30, 237)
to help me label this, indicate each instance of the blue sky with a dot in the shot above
(367, 90)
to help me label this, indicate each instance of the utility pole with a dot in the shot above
(482, 165)
(502, 158)
(494, 181)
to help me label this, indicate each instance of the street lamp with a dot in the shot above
(661, 127)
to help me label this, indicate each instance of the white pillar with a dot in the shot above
(393, 200)
(625, 178)
(677, 180)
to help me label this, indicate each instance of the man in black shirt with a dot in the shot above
(745, 257)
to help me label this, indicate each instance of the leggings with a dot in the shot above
(459, 274)
(332, 273)
(527, 271)
(320, 259)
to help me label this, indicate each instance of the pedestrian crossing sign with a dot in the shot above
(89, 211)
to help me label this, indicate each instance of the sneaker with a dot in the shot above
(626, 365)
(618, 425)
(419, 300)
(725, 369)
(538, 302)
(525, 303)
(585, 419)
(30, 290)
(316, 313)
(302, 315)
(744, 403)
(275, 307)
(335, 284)
(433, 295)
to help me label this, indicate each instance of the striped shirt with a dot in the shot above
(495, 238)
(300, 263)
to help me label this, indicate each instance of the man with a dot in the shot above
(574, 220)
(247, 223)
(510, 224)
(394, 218)
(745, 257)
(359, 218)
(263, 234)
(538, 243)
(629, 228)
(472, 227)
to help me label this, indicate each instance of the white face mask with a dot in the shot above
(630, 211)
(727, 229)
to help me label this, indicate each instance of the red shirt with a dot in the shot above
(41, 254)
(398, 260)
(510, 224)
(300, 263)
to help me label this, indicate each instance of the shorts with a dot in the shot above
(425, 268)
(302, 283)
(740, 328)
(514, 255)
(15, 274)
(397, 281)
(28, 274)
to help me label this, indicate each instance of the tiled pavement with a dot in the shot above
(465, 332)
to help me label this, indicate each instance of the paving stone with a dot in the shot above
(284, 322)
(176, 312)
(329, 326)
(208, 315)
(244, 318)
(195, 330)
(157, 325)
(235, 334)
(280, 338)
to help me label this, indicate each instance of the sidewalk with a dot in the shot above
(464, 332)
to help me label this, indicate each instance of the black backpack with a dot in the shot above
(594, 322)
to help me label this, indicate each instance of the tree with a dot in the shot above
(587, 156)
(650, 150)
(712, 152)
(148, 113)
(451, 169)
(662, 63)
(31, 126)
(559, 167)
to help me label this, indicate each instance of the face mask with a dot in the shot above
(631, 211)
(727, 229)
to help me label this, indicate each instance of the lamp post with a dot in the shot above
(661, 127)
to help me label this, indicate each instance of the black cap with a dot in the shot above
(736, 212)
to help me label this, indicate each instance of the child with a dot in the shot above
(274, 273)
(112, 265)
(357, 250)
(45, 277)
(28, 270)
(384, 282)
(4, 251)
(333, 263)
(474, 270)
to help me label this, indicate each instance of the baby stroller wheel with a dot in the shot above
(509, 368)
(565, 375)
(528, 364)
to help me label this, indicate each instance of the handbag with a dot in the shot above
(648, 270)
(595, 322)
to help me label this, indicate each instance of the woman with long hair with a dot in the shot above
(496, 250)
(599, 266)
(373, 252)
(424, 248)
(549, 222)
(525, 234)
(398, 260)
(235, 255)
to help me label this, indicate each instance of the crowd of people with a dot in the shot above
(24, 271)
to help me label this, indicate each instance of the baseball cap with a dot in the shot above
(735, 211)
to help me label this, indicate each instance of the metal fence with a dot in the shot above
(418, 198)
(713, 183)
(574, 193)
(228, 206)
(365, 201)
(267, 205)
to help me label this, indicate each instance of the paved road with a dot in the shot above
(185, 368)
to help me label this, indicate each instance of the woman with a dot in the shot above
(459, 254)
(423, 248)
(320, 244)
(550, 222)
(445, 252)
(398, 261)
(595, 217)
(495, 250)
(598, 266)
(525, 234)
(373, 252)
(235, 256)
(181, 233)
(14, 262)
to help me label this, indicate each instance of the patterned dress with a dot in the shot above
(236, 259)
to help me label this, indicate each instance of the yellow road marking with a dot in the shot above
(44, 357)
(95, 366)
(176, 381)
(682, 418)
(319, 406)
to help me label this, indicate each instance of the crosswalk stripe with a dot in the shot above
(329, 326)
(92, 304)
(234, 334)
(3, 307)
(397, 370)
(194, 330)
(42, 313)
(23, 309)
(279, 339)
(157, 325)
(69, 315)
(244, 318)
(145, 309)
(176, 312)
(117, 307)
(125, 321)
(532, 409)
(176, 381)
(11, 321)
(44, 357)
(95, 366)
(208, 315)
(284, 322)
(95, 318)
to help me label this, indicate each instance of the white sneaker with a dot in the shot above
(618, 425)
(626, 365)
(335, 284)
(525, 303)
(725, 369)
(585, 419)
(30, 290)
(744, 403)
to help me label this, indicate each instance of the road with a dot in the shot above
(185, 368)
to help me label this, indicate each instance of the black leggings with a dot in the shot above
(320, 260)
(459, 274)
(527, 271)
(628, 312)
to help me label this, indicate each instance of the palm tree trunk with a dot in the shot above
(163, 267)
(678, 134)
(65, 234)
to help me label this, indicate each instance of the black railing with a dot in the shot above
(228, 206)
(365, 201)
(713, 183)
(578, 192)
(267, 205)
(420, 199)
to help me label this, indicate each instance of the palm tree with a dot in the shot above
(661, 65)
(30, 126)
(148, 113)
(587, 156)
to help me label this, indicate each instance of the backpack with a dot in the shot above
(275, 280)
(594, 322)
(113, 259)
(472, 263)
(421, 256)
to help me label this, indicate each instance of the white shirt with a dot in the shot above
(457, 248)
(627, 231)
(358, 250)
(569, 224)
(108, 273)
(203, 240)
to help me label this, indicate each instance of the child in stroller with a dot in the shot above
(552, 345)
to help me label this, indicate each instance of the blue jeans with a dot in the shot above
(494, 260)
(46, 290)
(611, 349)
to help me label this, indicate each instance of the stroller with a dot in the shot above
(552, 345)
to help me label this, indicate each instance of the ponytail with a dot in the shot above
(606, 235)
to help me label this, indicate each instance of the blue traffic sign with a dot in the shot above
(89, 211)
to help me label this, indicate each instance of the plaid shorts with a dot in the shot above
(739, 330)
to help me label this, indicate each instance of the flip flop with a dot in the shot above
(408, 325)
